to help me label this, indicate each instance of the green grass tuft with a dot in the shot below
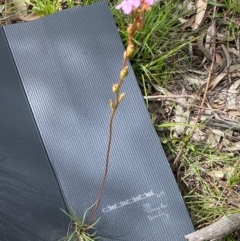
(81, 231)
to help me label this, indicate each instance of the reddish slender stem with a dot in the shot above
(106, 168)
(124, 64)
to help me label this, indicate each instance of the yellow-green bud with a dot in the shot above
(130, 50)
(124, 72)
(139, 24)
(111, 104)
(130, 29)
(115, 88)
(121, 97)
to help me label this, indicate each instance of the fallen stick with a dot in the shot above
(220, 229)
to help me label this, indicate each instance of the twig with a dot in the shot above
(158, 97)
(171, 98)
(223, 124)
(218, 230)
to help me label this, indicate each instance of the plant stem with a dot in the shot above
(113, 112)
(137, 24)
(106, 168)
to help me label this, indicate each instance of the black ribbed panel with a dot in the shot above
(30, 197)
(67, 63)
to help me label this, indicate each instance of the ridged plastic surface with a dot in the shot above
(67, 63)
(30, 197)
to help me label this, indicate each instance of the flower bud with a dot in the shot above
(115, 88)
(121, 97)
(124, 72)
(139, 24)
(130, 29)
(130, 50)
(111, 104)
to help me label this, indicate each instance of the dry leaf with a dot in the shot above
(234, 112)
(223, 36)
(201, 9)
(227, 55)
(234, 147)
(231, 121)
(216, 174)
(200, 41)
(213, 139)
(219, 59)
(21, 7)
(29, 17)
(161, 90)
(210, 36)
(231, 95)
(218, 132)
(188, 5)
(181, 117)
(198, 135)
(214, 82)
(234, 51)
(192, 79)
(228, 172)
(188, 23)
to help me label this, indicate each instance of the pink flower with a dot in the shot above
(127, 5)
(150, 2)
